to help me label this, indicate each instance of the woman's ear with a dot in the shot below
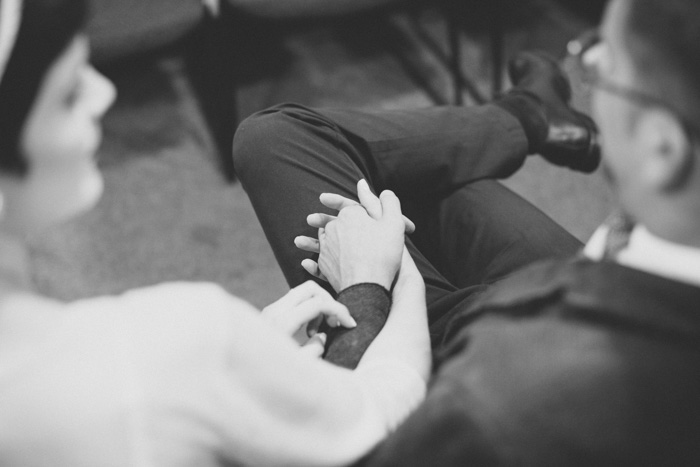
(668, 155)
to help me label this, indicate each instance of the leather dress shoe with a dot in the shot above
(572, 137)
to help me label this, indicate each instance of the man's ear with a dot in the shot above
(667, 150)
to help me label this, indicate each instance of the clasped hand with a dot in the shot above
(363, 243)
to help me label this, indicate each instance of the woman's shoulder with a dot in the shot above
(146, 317)
(171, 310)
(172, 300)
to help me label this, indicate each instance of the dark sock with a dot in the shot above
(527, 108)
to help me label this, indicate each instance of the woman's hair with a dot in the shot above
(46, 29)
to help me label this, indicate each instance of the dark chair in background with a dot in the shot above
(493, 20)
(219, 49)
(123, 28)
(124, 31)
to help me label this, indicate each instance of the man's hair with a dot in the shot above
(663, 37)
(47, 27)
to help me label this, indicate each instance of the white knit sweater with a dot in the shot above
(181, 374)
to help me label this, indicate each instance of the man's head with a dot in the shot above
(647, 105)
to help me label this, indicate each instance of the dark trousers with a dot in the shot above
(470, 230)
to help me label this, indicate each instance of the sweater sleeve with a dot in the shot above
(369, 305)
(232, 384)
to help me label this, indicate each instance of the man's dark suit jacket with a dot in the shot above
(564, 363)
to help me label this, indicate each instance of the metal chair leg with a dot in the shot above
(211, 64)
(497, 34)
(455, 62)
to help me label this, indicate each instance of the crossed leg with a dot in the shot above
(441, 162)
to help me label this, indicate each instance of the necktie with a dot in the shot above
(620, 228)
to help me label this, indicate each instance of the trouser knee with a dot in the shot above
(261, 139)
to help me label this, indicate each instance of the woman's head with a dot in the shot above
(51, 103)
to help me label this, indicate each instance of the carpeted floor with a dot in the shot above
(168, 214)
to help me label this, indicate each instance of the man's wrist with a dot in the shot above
(367, 278)
(365, 286)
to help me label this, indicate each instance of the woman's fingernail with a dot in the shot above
(353, 323)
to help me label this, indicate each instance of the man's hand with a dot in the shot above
(363, 243)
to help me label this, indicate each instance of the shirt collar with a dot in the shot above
(649, 253)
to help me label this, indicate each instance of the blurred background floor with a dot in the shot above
(169, 214)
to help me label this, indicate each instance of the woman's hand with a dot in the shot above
(304, 303)
(364, 243)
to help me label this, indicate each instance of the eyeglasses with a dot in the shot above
(581, 46)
